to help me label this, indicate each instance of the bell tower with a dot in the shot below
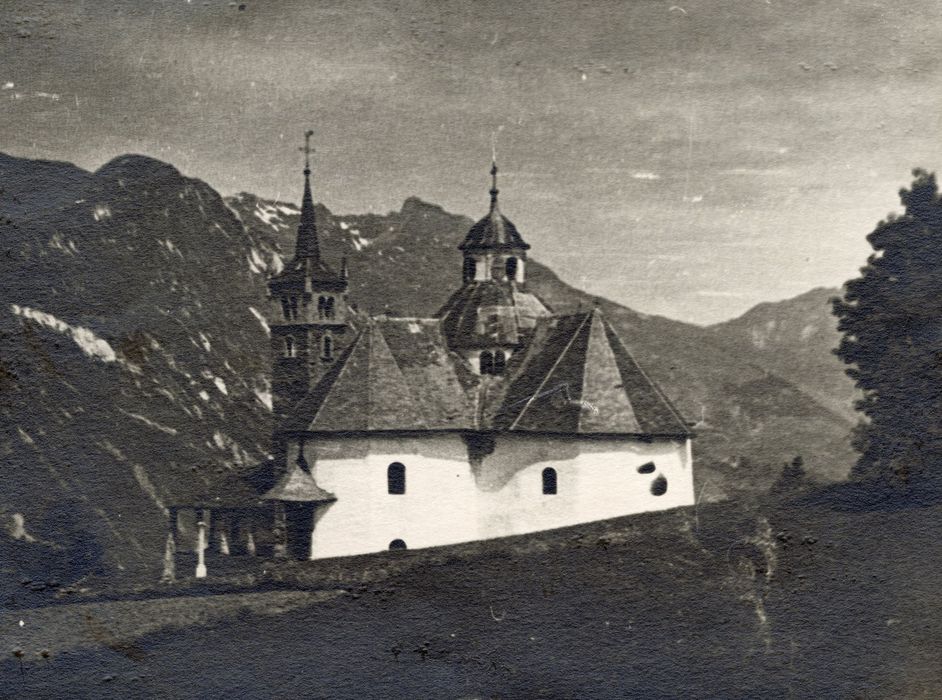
(308, 311)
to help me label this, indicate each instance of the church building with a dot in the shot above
(495, 417)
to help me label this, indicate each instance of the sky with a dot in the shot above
(685, 158)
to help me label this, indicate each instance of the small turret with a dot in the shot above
(491, 315)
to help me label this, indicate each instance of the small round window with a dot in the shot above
(659, 486)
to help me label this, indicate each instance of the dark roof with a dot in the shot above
(209, 486)
(580, 378)
(371, 389)
(307, 244)
(574, 377)
(494, 231)
(307, 261)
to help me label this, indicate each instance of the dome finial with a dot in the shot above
(494, 189)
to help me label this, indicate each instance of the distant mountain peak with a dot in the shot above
(413, 204)
(136, 167)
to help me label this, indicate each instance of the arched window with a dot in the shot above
(549, 481)
(321, 307)
(511, 268)
(469, 269)
(294, 308)
(290, 349)
(659, 486)
(397, 544)
(327, 346)
(286, 308)
(500, 362)
(396, 478)
(329, 307)
(487, 362)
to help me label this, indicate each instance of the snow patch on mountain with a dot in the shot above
(256, 262)
(147, 421)
(264, 396)
(261, 319)
(88, 342)
(168, 244)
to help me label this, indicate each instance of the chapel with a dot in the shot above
(495, 417)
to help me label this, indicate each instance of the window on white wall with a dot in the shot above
(396, 478)
(659, 485)
(397, 544)
(549, 481)
(647, 468)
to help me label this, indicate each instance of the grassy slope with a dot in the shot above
(653, 606)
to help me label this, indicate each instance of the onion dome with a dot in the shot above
(494, 231)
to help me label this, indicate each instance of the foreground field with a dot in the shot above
(724, 602)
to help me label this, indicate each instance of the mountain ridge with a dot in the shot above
(134, 350)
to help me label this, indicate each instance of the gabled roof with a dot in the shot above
(580, 379)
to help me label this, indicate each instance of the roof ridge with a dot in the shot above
(612, 333)
(585, 367)
(549, 373)
(344, 362)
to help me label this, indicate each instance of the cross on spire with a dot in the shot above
(307, 151)
(307, 245)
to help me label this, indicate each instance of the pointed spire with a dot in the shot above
(494, 189)
(307, 246)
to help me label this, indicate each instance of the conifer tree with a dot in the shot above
(891, 321)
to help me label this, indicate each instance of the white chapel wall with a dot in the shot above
(447, 501)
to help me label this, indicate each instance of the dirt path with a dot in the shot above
(116, 624)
